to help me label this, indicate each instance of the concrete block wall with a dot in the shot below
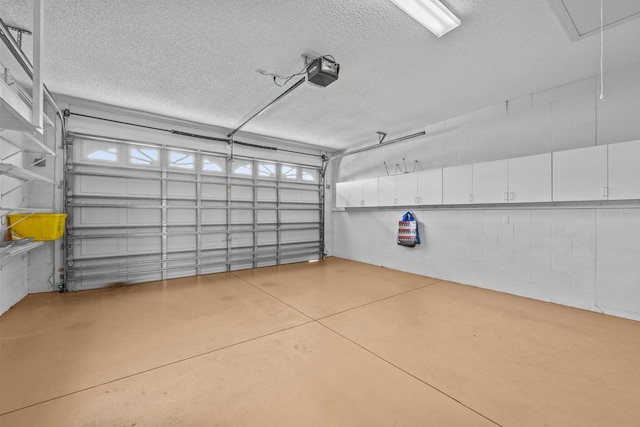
(581, 257)
(585, 257)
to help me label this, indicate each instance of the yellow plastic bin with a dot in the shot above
(40, 226)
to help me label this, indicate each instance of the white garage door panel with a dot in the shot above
(143, 187)
(99, 185)
(214, 191)
(241, 216)
(97, 216)
(291, 236)
(289, 195)
(140, 244)
(267, 216)
(241, 239)
(214, 241)
(181, 242)
(309, 196)
(239, 192)
(181, 216)
(143, 216)
(267, 194)
(94, 247)
(214, 218)
(181, 189)
(292, 216)
(267, 238)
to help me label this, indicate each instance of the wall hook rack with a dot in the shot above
(398, 167)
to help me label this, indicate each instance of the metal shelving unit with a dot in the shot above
(24, 146)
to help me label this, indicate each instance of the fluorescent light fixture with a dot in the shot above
(431, 13)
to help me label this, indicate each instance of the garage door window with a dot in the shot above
(144, 157)
(309, 175)
(181, 160)
(100, 152)
(267, 170)
(214, 164)
(241, 167)
(289, 172)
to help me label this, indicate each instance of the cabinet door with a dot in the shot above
(370, 192)
(387, 191)
(490, 182)
(430, 187)
(342, 194)
(355, 194)
(407, 188)
(457, 185)
(580, 174)
(624, 170)
(530, 179)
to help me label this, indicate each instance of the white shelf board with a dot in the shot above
(26, 141)
(22, 174)
(18, 249)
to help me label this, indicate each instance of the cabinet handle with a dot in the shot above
(506, 195)
(605, 191)
(395, 201)
(471, 197)
(512, 196)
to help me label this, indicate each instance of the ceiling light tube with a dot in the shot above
(432, 14)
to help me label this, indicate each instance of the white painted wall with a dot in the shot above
(576, 256)
(562, 118)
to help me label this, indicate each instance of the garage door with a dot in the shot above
(141, 212)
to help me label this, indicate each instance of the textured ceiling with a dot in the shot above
(197, 60)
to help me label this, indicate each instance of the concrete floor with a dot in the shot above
(334, 343)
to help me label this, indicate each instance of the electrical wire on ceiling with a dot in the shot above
(284, 79)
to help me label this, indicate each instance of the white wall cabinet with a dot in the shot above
(387, 191)
(369, 192)
(407, 189)
(530, 179)
(354, 197)
(349, 194)
(429, 187)
(490, 182)
(607, 172)
(580, 174)
(457, 185)
(624, 170)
